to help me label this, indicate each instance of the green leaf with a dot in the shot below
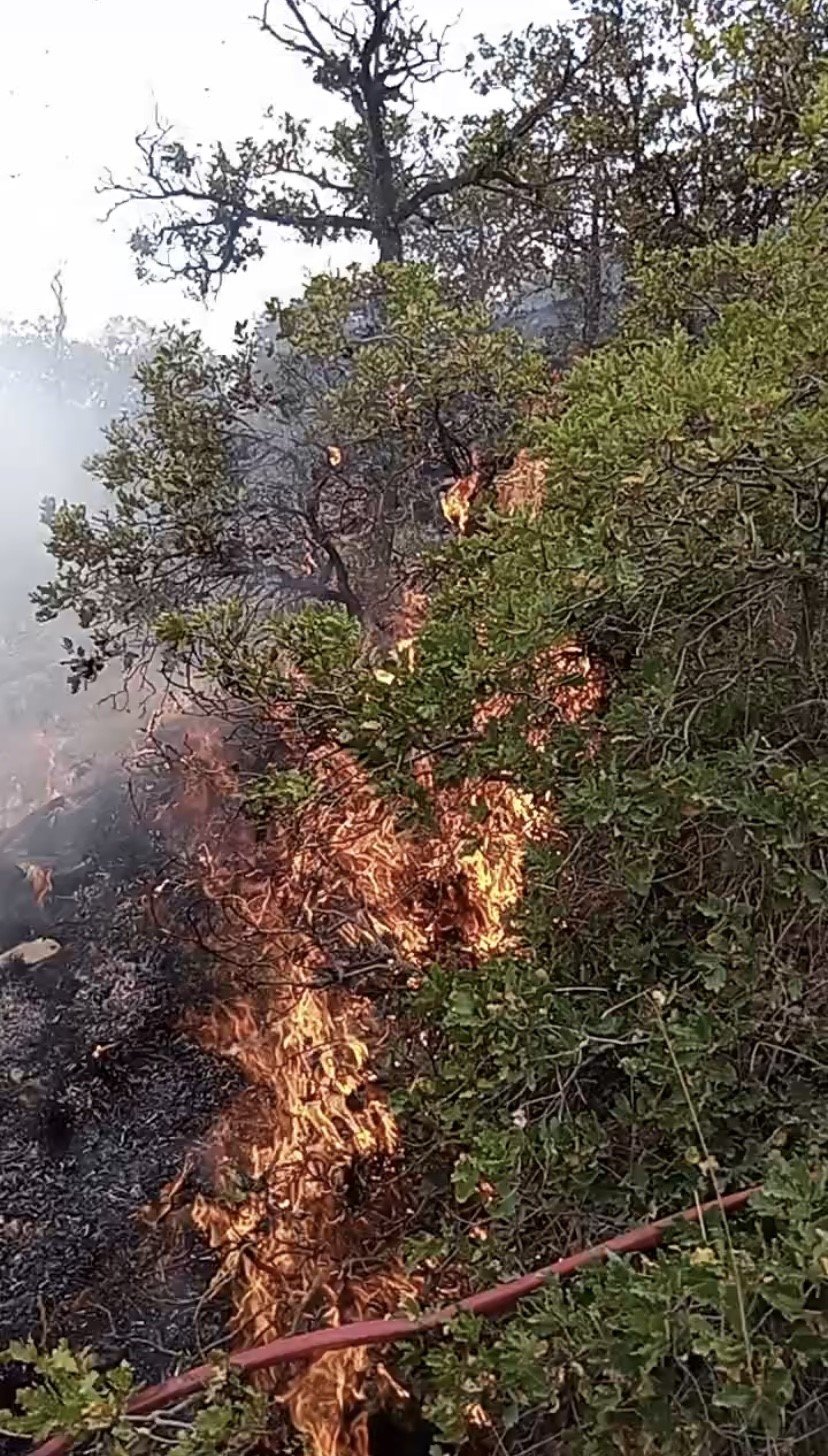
(465, 1178)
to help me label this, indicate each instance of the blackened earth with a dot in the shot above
(102, 1097)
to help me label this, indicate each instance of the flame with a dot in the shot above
(406, 624)
(457, 501)
(478, 856)
(40, 879)
(564, 684)
(522, 487)
(49, 748)
(40, 752)
(326, 904)
(306, 1164)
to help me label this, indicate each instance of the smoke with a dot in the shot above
(56, 396)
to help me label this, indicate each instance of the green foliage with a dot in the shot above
(421, 382)
(680, 124)
(417, 353)
(277, 789)
(163, 539)
(238, 571)
(70, 1393)
(260, 659)
(649, 1353)
(661, 1033)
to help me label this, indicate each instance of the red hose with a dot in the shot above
(388, 1331)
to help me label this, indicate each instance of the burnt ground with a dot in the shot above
(101, 1095)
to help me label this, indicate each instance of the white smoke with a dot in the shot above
(56, 396)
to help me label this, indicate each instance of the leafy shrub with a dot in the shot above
(69, 1393)
(714, 1344)
(660, 1034)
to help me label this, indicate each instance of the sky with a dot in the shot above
(81, 78)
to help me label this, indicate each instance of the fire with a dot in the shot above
(306, 1164)
(478, 856)
(306, 1169)
(312, 918)
(40, 879)
(40, 752)
(563, 684)
(407, 623)
(522, 487)
(458, 499)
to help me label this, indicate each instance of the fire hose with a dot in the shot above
(489, 1302)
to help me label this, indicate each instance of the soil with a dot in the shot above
(102, 1097)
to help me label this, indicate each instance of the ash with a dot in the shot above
(102, 1097)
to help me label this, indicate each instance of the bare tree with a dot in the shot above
(370, 175)
(59, 296)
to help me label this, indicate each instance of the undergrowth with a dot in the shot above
(717, 1343)
(67, 1392)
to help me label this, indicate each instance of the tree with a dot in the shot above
(305, 467)
(371, 175)
(669, 134)
(423, 386)
(549, 225)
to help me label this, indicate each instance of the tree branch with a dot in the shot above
(243, 212)
(489, 166)
(344, 591)
(314, 46)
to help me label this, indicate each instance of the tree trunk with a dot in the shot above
(384, 197)
(385, 535)
(389, 241)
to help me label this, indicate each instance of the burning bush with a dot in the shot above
(651, 1022)
(583, 817)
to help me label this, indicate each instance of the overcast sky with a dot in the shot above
(79, 79)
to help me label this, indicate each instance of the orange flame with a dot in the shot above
(522, 487)
(457, 501)
(40, 879)
(309, 1185)
(307, 1161)
(564, 684)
